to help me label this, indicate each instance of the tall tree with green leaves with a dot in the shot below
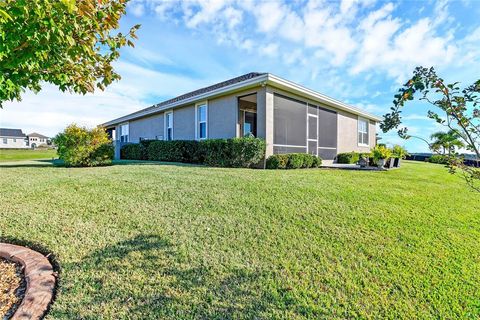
(447, 141)
(455, 108)
(69, 43)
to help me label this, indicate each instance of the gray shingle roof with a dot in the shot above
(4, 132)
(37, 135)
(202, 91)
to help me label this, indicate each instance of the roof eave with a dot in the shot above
(318, 97)
(262, 79)
(211, 94)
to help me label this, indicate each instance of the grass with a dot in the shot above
(150, 241)
(8, 155)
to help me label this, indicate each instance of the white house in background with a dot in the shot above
(36, 139)
(13, 139)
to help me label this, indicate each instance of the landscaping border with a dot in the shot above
(40, 278)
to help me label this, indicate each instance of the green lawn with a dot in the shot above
(7, 155)
(149, 241)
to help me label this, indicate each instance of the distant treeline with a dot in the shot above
(470, 159)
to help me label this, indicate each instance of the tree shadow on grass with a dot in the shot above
(147, 278)
(159, 163)
(30, 163)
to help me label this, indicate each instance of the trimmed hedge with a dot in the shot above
(132, 151)
(293, 161)
(438, 158)
(237, 152)
(348, 157)
(175, 151)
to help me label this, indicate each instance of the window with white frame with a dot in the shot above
(124, 131)
(362, 131)
(169, 126)
(5, 140)
(201, 127)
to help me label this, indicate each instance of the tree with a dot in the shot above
(459, 112)
(69, 43)
(447, 141)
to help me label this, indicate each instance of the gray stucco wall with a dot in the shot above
(222, 117)
(146, 128)
(348, 133)
(223, 114)
(184, 123)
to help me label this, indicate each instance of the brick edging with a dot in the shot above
(40, 278)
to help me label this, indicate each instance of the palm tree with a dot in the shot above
(448, 141)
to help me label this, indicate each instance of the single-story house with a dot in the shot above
(12, 139)
(36, 139)
(290, 117)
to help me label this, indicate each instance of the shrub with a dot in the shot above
(81, 147)
(438, 158)
(317, 161)
(237, 152)
(399, 152)
(174, 151)
(348, 157)
(277, 161)
(293, 161)
(133, 151)
(307, 160)
(381, 152)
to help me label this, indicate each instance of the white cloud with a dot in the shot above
(269, 15)
(388, 46)
(51, 110)
(270, 50)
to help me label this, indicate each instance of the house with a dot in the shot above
(12, 139)
(290, 117)
(36, 139)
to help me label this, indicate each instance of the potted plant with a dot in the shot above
(399, 153)
(364, 160)
(381, 154)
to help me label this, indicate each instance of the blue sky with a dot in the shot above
(356, 51)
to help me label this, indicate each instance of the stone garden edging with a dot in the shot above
(40, 279)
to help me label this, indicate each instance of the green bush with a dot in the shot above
(381, 152)
(317, 161)
(133, 151)
(277, 161)
(348, 157)
(438, 158)
(399, 152)
(293, 161)
(82, 147)
(174, 151)
(237, 152)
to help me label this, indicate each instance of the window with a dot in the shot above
(124, 131)
(14, 140)
(362, 132)
(249, 124)
(201, 116)
(4, 140)
(169, 126)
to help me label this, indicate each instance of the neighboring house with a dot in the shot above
(12, 139)
(36, 139)
(290, 117)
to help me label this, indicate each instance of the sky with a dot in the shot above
(359, 52)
